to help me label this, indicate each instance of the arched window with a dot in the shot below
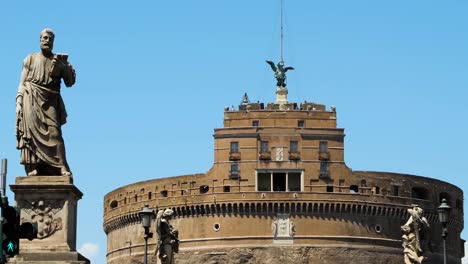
(114, 204)
(204, 189)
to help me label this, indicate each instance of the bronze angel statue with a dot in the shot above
(280, 72)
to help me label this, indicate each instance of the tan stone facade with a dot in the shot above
(279, 185)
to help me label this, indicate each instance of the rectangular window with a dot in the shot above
(294, 182)
(226, 188)
(300, 123)
(234, 168)
(235, 147)
(264, 182)
(396, 190)
(323, 147)
(323, 169)
(255, 123)
(293, 147)
(264, 146)
(279, 182)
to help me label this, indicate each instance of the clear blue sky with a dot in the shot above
(153, 78)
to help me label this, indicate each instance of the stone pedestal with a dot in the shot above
(51, 202)
(281, 95)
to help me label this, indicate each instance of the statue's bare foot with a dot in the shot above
(32, 173)
(65, 172)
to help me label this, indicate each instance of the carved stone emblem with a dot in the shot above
(45, 213)
(283, 227)
(279, 154)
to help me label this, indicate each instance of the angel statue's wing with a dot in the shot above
(272, 65)
(288, 68)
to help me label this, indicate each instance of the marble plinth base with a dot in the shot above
(51, 202)
(281, 95)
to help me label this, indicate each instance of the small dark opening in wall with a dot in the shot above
(182, 192)
(216, 227)
(114, 204)
(419, 193)
(329, 188)
(363, 183)
(149, 195)
(255, 123)
(227, 188)
(204, 188)
(396, 190)
(376, 190)
(164, 193)
(378, 229)
(136, 198)
(353, 189)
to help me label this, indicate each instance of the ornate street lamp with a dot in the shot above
(146, 215)
(444, 213)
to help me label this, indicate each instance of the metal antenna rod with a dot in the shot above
(4, 173)
(282, 31)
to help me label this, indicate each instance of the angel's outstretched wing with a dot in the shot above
(288, 68)
(272, 65)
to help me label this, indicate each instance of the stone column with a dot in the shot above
(51, 202)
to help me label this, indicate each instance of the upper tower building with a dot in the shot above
(279, 189)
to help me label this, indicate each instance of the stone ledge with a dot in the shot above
(44, 180)
(45, 184)
(50, 257)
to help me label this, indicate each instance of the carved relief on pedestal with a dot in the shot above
(45, 213)
(283, 227)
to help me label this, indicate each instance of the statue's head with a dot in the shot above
(168, 213)
(47, 39)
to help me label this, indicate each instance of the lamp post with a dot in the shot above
(444, 212)
(146, 215)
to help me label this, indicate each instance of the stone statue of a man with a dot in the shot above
(416, 226)
(40, 111)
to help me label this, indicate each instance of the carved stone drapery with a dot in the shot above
(413, 231)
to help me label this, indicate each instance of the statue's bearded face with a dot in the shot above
(47, 41)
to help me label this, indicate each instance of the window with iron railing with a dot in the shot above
(324, 169)
(323, 147)
(234, 173)
(264, 146)
(293, 147)
(235, 147)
